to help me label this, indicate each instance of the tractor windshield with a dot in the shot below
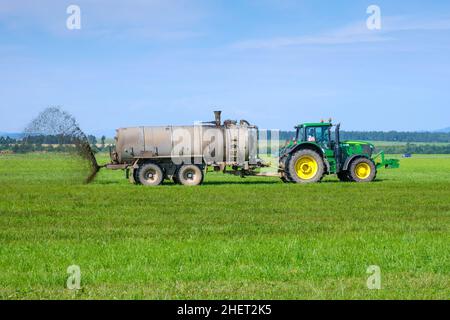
(319, 135)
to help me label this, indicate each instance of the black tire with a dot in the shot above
(316, 172)
(284, 176)
(190, 175)
(344, 176)
(135, 176)
(362, 170)
(150, 174)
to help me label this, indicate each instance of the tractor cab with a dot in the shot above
(318, 133)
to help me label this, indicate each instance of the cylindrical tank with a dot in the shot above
(231, 143)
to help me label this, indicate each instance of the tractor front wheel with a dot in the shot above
(305, 166)
(362, 170)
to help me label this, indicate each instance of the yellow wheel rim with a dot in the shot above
(362, 170)
(306, 167)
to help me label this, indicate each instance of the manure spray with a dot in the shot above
(54, 121)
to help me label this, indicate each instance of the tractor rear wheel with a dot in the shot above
(190, 175)
(283, 165)
(284, 178)
(150, 174)
(362, 170)
(305, 166)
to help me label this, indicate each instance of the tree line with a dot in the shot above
(428, 140)
(48, 143)
(392, 136)
(49, 139)
(416, 149)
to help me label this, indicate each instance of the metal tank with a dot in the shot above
(172, 148)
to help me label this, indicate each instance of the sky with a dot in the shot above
(275, 63)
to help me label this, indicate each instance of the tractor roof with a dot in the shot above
(315, 124)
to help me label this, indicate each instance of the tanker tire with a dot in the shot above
(190, 175)
(373, 170)
(293, 176)
(150, 174)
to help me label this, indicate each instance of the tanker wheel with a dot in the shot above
(362, 170)
(150, 174)
(190, 175)
(344, 176)
(306, 166)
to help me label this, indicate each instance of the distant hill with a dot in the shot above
(12, 135)
(446, 130)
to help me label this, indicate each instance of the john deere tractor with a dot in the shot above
(318, 151)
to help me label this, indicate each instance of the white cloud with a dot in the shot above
(346, 35)
(352, 34)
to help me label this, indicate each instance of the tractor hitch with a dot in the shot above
(386, 163)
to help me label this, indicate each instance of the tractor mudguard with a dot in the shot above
(306, 145)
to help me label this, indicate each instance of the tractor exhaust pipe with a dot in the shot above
(217, 117)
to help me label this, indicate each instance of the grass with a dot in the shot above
(232, 238)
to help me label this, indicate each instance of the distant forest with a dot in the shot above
(391, 136)
(48, 143)
(406, 142)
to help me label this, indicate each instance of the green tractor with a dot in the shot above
(318, 151)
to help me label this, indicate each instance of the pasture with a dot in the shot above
(231, 238)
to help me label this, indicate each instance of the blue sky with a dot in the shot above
(275, 63)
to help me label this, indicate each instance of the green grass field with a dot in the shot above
(231, 238)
